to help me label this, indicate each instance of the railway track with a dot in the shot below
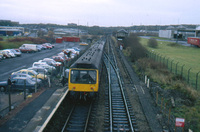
(78, 117)
(119, 114)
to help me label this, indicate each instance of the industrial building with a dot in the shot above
(179, 32)
(11, 31)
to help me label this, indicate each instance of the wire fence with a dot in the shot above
(165, 106)
(188, 74)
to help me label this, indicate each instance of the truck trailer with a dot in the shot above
(193, 41)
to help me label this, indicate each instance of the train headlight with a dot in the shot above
(74, 88)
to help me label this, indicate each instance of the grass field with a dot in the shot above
(180, 56)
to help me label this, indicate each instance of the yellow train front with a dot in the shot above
(84, 74)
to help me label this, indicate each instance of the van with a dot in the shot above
(30, 46)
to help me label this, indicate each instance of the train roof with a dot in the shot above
(91, 59)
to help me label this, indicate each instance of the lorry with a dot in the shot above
(30, 46)
(193, 41)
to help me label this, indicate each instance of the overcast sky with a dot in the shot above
(102, 12)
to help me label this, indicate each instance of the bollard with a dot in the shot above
(161, 104)
(49, 82)
(24, 89)
(36, 84)
(145, 79)
(148, 83)
(157, 97)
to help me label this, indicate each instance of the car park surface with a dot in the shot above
(18, 123)
(26, 60)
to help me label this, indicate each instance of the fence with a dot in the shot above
(165, 106)
(191, 77)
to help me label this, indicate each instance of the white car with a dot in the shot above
(52, 61)
(44, 65)
(10, 52)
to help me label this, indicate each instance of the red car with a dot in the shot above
(47, 45)
(58, 58)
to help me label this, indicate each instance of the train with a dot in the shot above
(84, 73)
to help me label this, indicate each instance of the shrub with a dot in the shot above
(1, 39)
(152, 43)
(131, 43)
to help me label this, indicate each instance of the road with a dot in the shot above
(26, 60)
(184, 43)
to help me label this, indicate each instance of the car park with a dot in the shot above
(33, 73)
(19, 83)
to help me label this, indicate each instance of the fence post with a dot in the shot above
(169, 115)
(176, 67)
(164, 60)
(189, 75)
(157, 98)
(167, 62)
(171, 65)
(182, 70)
(158, 57)
(197, 79)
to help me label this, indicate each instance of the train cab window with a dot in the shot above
(83, 76)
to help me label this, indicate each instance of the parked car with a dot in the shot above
(25, 50)
(17, 52)
(1, 56)
(47, 46)
(18, 83)
(5, 54)
(41, 70)
(33, 73)
(64, 56)
(39, 81)
(41, 47)
(44, 65)
(58, 58)
(76, 49)
(33, 47)
(50, 45)
(10, 53)
(51, 62)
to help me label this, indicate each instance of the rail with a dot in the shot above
(120, 117)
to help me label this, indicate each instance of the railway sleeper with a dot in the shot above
(114, 114)
(120, 119)
(119, 111)
(117, 103)
(75, 129)
(120, 116)
(118, 108)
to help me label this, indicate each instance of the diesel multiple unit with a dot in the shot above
(84, 74)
